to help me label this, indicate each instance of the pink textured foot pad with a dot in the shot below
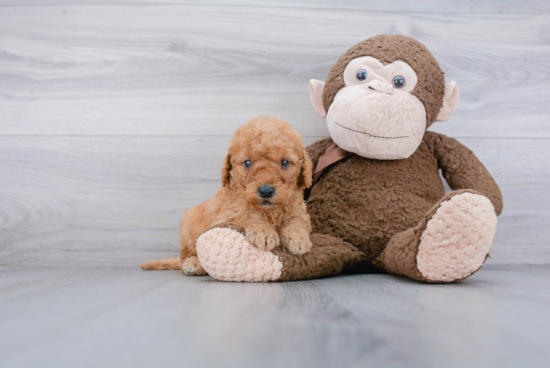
(457, 238)
(226, 255)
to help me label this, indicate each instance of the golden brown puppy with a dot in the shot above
(263, 177)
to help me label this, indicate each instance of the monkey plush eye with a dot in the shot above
(247, 164)
(362, 75)
(398, 81)
(285, 163)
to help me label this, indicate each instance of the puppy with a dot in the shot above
(263, 177)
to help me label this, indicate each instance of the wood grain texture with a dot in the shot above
(115, 118)
(125, 317)
(204, 70)
(118, 200)
(425, 6)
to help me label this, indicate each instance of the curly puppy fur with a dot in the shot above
(263, 143)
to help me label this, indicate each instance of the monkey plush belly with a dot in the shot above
(365, 202)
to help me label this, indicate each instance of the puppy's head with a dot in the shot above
(267, 162)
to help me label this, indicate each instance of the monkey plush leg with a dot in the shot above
(449, 244)
(226, 255)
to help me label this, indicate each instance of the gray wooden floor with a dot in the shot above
(125, 317)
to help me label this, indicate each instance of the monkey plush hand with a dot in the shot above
(378, 203)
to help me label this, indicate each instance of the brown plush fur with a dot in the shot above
(380, 198)
(282, 219)
(329, 256)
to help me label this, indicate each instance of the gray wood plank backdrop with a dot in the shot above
(114, 118)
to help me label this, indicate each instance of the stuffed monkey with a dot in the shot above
(377, 203)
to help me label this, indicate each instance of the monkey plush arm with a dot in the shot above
(316, 149)
(463, 170)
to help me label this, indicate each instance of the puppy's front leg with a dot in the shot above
(262, 235)
(295, 236)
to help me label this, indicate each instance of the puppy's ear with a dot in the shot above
(306, 173)
(226, 170)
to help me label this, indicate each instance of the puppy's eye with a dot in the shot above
(285, 163)
(398, 81)
(247, 164)
(361, 75)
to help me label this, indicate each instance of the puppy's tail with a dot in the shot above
(162, 264)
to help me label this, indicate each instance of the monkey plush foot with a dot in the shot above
(457, 238)
(450, 244)
(226, 255)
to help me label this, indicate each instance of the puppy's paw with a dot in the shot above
(262, 237)
(296, 240)
(192, 267)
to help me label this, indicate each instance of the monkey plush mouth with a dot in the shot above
(370, 135)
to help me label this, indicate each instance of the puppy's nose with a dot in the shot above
(266, 191)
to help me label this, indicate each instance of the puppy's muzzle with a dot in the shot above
(266, 191)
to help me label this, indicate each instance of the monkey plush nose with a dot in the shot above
(380, 86)
(266, 191)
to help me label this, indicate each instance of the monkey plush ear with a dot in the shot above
(316, 96)
(226, 168)
(450, 102)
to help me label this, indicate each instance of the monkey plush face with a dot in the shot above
(381, 96)
(375, 114)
